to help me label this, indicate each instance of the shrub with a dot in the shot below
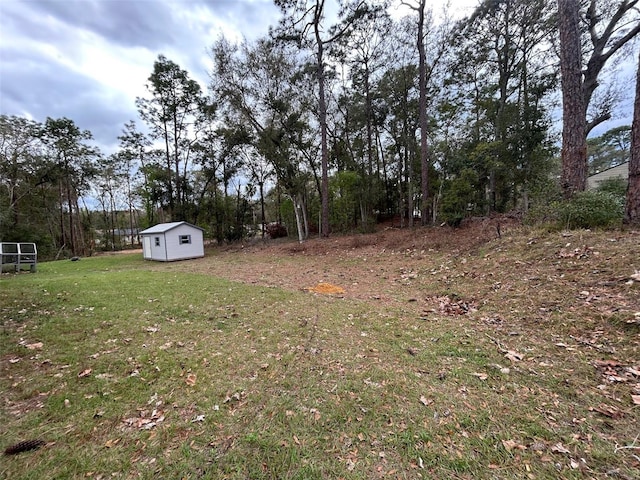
(276, 230)
(615, 186)
(591, 209)
(458, 197)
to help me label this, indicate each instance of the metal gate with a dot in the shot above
(18, 255)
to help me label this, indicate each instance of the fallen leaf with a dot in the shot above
(198, 418)
(481, 376)
(634, 371)
(112, 443)
(425, 401)
(34, 346)
(235, 397)
(511, 445)
(608, 411)
(607, 363)
(191, 379)
(504, 370)
(538, 446)
(144, 422)
(84, 373)
(559, 448)
(635, 399)
(513, 356)
(447, 306)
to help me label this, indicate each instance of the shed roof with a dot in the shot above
(165, 227)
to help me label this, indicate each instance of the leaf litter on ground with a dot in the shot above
(351, 399)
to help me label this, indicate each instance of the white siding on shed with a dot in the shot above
(176, 250)
(167, 242)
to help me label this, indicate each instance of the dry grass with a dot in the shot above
(450, 354)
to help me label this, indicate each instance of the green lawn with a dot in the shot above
(130, 369)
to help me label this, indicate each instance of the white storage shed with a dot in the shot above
(167, 242)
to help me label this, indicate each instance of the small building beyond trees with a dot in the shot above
(619, 171)
(167, 242)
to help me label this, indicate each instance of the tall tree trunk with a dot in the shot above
(262, 216)
(574, 138)
(424, 153)
(297, 210)
(176, 165)
(133, 236)
(322, 114)
(305, 215)
(408, 169)
(63, 239)
(80, 241)
(632, 208)
(112, 207)
(72, 234)
(169, 169)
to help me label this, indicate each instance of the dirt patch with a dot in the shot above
(380, 266)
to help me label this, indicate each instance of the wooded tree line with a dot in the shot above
(332, 122)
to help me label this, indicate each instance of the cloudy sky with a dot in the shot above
(89, 59)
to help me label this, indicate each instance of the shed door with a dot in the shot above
(146, 247)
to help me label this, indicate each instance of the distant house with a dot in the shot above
(621, 171)
(167, 242)
(127, 236)
(117, 237)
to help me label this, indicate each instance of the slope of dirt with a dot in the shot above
(508, 269)
(376, 266)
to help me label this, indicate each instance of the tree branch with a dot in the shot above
(603, 117)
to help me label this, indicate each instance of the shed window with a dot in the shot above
(185, 239)
(157, 241)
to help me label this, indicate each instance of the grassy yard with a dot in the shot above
(517, 358)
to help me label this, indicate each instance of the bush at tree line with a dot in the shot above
(603, 208)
